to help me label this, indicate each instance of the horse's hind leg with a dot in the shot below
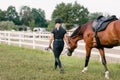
(88, 52)
(101, 50)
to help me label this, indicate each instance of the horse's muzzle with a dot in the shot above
(69, 52)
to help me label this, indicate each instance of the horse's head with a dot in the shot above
(73, 39)
(71, 46)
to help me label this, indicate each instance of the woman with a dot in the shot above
(58, 35)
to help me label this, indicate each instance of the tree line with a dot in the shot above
(73, 14)
(27, 16)
(32, 17)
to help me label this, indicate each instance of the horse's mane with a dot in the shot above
(75, 31)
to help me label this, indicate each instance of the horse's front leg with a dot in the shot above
(88, 52)
(102, 53)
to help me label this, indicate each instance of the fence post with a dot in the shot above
(9, 42)
(5, 36)
(0, 36)
(20, 39)
(33, 40)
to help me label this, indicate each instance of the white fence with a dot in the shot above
(23, 38)
(40, 40)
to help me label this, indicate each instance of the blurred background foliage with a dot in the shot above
(31, 17)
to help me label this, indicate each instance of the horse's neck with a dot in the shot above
(79, 37)
(83, 29)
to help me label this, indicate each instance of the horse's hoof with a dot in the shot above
(107, 75)
(84, 70)
(107, 78)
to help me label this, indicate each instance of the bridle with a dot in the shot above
(69, 38)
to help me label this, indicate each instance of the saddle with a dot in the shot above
(100, 24)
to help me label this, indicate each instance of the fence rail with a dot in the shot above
(23, 38)
(40, 40)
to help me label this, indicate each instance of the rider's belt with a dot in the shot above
(58, 39)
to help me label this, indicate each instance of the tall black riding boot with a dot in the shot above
(61, 70)
(55, 65)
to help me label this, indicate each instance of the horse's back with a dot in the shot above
(111, 35)
(116, 26)
(113, 29)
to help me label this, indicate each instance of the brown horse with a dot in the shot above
(108, 38)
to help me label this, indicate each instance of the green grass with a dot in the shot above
(26, 64)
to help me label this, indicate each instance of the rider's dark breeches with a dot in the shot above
(57, 49)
